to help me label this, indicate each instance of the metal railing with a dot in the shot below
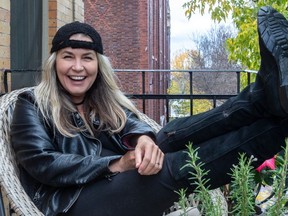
(145, 95)
(189, 96)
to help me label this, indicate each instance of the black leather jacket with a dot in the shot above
(54, 168)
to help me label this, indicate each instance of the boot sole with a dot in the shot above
(273, 29)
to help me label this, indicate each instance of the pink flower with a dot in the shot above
(270, 163)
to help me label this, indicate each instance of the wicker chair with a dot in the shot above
(16, 201)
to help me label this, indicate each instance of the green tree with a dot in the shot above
(209, 53)
(185, 60)
(244, 47)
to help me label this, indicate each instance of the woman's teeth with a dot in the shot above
(77, 77)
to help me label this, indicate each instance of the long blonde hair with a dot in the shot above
(104, 100)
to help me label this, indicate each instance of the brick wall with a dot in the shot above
(5, 34)
(52, 20)
(62, 12)
(118, 23)
(4, 37)
(79, 10)
(134, 34)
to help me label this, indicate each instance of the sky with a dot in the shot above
(182, 28)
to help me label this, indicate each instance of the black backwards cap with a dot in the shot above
(61, 38)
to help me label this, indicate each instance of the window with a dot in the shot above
(26, 42)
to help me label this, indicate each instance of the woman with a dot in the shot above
(82, 150)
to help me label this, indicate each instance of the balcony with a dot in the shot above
(148, 88)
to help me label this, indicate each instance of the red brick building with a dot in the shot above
(136, 35)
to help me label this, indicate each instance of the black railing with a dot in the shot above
(191, 95)
(6, 73)
(144, 94)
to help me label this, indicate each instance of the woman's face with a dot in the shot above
(77, 69)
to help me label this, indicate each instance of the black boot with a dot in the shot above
(273, 41)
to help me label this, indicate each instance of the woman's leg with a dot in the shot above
(266, 98)
(235, 113)
(129, 193)
(262, 140)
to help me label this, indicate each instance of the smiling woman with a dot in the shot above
(77, 69)
(83, 150)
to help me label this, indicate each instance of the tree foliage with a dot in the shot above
(209, 53)
(244, 47)
(185, 60)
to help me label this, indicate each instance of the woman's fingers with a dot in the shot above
(152, 161)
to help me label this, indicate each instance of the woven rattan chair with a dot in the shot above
(16, 201)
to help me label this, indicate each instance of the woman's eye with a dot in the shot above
(88, 58)
(67, 56)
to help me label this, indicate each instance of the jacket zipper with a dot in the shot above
(93, 138)
(37, 194)
(73, 201)
(90, 137)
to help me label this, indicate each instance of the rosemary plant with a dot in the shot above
(279, 185)
(183, 202)
(242, 187)
(207, 205)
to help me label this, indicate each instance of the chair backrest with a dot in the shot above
(155, 126)
(19, 202)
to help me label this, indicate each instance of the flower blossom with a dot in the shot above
(270, 163)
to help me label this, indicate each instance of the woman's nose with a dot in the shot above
(78, 66)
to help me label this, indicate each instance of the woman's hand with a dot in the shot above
(148, 157)
(125, 163)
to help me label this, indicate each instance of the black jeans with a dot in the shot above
(242, 110)
(129, 193)
(242, 124)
